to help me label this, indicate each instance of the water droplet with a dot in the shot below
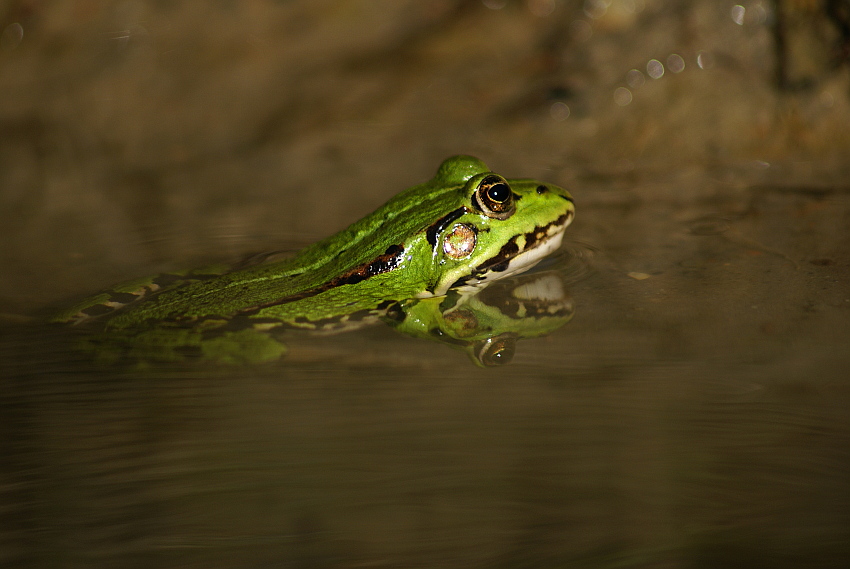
(595, 9)
(675, 63)
(12, 36)
(541, 8)
(705, 60)
(622, 96)
(559, 111)
(760, 14)
(655, 69)
(635, 78)
(737, 12)
(581, 30)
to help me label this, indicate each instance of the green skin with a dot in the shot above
(460, 230)
(487, 324)
(484, 323)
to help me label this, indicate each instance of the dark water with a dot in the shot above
(635, 463)
(693, 413)
(681, 419)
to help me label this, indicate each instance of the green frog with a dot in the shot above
(487, 323)
(461, 230)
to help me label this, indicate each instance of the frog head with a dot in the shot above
(490, 226)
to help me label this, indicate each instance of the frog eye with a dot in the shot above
(494, 197)
(496, 351)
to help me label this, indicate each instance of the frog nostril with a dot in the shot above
(541, 189)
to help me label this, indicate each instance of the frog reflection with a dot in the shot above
(486, 323)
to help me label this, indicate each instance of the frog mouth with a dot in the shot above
(519, 254)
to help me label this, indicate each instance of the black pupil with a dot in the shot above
(499, 353)
(499, 192)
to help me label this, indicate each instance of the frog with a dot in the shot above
(488, 323)
(459, 231)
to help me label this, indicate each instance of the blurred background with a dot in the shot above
(136, 133)
(693, 414)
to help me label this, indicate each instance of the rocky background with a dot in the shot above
(693, 414)
(136, 136)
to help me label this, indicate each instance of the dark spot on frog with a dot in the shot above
(460, 282)
(500, 261)
(384, 263)
(393, 250)
(393, 309)
(451, 299)
(437, 227)
(541, 189)
(352, 278)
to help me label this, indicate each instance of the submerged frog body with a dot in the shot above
(462, 229)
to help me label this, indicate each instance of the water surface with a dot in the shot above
(693, 412)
